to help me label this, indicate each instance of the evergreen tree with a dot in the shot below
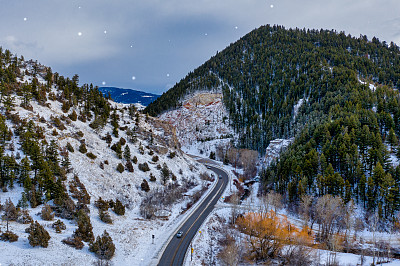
(393, 141)
(103, 247)
(38, 236)
(119, 208)
(127, 153)
(145, 186)
(85, 229)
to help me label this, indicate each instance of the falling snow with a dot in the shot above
(25, 19)
(133, 77)
(272, 6)
(104, 83)
(79, 33)
(105, 32)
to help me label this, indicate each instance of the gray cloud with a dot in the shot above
(168, 38)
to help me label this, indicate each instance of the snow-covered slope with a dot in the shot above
(201, 123)
(131, 233)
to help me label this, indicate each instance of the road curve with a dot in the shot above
(174, 253)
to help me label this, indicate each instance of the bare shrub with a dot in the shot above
(74, 241)
(9, 236)
(329, 214)
(47, 213)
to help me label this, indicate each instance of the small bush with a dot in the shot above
(173, 177)
(85, 229)
(101, 204)
(47, 213)
(155, 158)
(91, 155)
(79, 133)
(9, 236)
(82, 148)
(105, 217)
(74, 241)
(144, 167)
(38, 236)
(24, 217)
(145, 186)
(108, 138)
(103, 247)
(152, 178)
(120, 168)
(73, 116)
(10, 212)
(122, 141)
(58, 226)
(129, 166)
(172, 154)
(134, 159)
(119, 208)
(151, 152)
(69, 147)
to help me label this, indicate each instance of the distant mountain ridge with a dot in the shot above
(129, 96)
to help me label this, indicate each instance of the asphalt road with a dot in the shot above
(174, 253)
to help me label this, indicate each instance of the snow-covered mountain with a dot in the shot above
(102, 168)
(140, 98)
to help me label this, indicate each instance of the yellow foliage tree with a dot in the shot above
(267, 234)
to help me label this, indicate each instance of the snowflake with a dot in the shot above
(104, 83)
(79, 33)
(236, 27)
(105, 32)
(25, 19)
(133, 77)
(272, 6)
(167, 75)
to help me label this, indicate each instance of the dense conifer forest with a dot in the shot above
(348, 123)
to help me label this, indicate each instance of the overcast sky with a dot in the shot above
(151, 44)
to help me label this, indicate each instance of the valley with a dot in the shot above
(282, 149)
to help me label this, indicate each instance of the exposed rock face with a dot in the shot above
(275, 148)
(201, 123)
(163, 133)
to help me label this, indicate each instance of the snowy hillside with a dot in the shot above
(201, 123)
(151, 143)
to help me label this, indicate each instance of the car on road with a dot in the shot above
(208, 167)
(179, 234)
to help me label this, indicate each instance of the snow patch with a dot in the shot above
(296, 107)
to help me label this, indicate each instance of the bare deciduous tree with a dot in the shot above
(229, 254)
(329, 213)
(275, 199)
(248, 159)
(306, 207)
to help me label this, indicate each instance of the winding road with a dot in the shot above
(175, 251)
